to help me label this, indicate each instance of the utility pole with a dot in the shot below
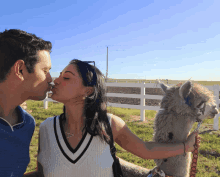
(107, 67)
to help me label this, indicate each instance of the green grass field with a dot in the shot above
(208, 164)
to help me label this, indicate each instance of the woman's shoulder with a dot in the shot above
(117, 124)
(113, 119)
(47, 121)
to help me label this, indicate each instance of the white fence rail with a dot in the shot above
(143, 96)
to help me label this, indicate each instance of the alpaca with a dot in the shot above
(183, 105)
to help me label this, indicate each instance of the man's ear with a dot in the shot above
(19, 68)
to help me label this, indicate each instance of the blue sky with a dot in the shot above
(175, 40)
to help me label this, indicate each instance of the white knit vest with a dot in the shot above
(91, 157)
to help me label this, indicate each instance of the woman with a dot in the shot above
(76, 143)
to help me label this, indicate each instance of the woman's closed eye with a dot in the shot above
(65, 78)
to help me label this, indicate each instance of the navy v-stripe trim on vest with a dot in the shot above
(67, 144)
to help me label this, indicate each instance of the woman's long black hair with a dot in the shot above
(95, 109)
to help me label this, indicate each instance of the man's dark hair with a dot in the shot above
(16, 45)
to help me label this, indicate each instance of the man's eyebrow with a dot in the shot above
(67, 72)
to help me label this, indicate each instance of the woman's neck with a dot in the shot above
(74, 120)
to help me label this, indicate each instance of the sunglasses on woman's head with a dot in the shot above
(89, 62)
(93, 70)
(86, 61)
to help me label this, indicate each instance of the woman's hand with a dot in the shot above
(191, 140)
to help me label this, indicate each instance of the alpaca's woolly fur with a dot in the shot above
(174, 122)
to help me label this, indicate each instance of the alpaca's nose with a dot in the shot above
(216, 111)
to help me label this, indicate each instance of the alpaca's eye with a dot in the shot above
(199, 105)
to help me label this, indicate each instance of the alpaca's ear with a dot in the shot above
(163, 86)
(185, 89)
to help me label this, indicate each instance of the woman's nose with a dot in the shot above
(56, 81)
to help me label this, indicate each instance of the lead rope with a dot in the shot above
(194, 161)
(195, 154)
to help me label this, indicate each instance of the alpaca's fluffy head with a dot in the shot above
(188, 98)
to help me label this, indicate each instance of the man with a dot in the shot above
(24, 74)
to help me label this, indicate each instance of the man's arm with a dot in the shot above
(39, 171)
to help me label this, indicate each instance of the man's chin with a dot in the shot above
(38, 98)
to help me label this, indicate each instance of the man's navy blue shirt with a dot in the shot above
(14, 144)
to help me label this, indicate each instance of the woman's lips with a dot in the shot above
(50, 87)
(53, 88)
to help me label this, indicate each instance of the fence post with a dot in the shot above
(216, 93)
(46, 102)
(142, 101)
